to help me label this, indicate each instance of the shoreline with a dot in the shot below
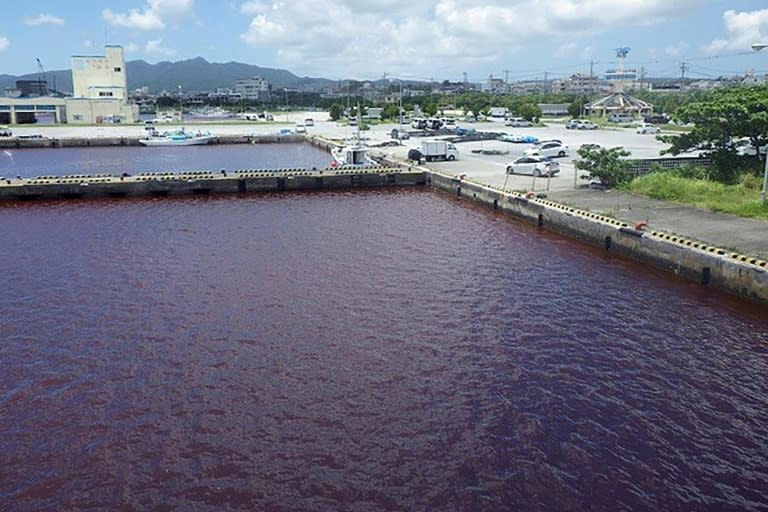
(726, 252)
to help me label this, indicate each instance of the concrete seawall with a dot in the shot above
(205, 182)
(735, 273)
(54, 142)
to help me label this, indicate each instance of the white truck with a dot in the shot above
(498, 112)
(438, 150)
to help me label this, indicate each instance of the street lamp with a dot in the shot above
(757, 47)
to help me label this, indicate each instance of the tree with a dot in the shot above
(430, 109)
(576, 107)
(389, 111)
(529, 111)
(727, 114)
(336, 111)
(605, 164)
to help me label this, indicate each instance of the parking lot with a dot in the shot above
(490, 168)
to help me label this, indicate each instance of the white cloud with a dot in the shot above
(152, 17)
(254, 8)
(369, 37)
(743, 29)
(142, 20)
(132, 47)
(88, 43)
(43, 19)
(676, 50)
(155, 47)
(4, 43)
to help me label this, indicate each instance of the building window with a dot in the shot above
(118, 69)
(105, 93)
(77, 117)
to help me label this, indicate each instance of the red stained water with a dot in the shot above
(362, 351)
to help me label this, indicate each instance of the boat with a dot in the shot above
(176, 138)
(353, 153)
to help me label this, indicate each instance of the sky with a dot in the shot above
(408, 39)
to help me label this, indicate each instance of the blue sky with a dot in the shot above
(366, 39)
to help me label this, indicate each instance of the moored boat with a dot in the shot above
(177, 138)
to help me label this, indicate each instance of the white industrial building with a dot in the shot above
(100, 92)
(255, 88)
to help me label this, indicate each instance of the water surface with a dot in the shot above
(362, 351)
(29, 163)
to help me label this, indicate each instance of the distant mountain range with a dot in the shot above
(193, 75)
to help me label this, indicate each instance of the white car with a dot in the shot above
(518, 121)
(549, 149)
(645, 128)
(580, 124)
(535, 165)
(744, 147)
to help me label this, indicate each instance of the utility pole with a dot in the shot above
(683, 69)
(591, 68)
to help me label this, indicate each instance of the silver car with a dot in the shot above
(534, 165)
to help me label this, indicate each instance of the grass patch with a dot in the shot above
(742, 199)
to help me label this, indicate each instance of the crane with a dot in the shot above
(41, 90)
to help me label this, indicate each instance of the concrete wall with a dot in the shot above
(736, 273)
(205, 182)
(92, 75)
(98, 111)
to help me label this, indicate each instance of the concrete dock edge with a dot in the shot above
(711, 266)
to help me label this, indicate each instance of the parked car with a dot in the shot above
(434, 124)
(621, 118)
(524, 139)
(400, 134)
(518, 121)
(656, 119)
(587, 125)
(309, 122)
(535, 165)
(547, 141)
(645, 128)
(745, 147)
(573, 124)
(549, 149)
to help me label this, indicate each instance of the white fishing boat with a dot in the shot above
(176, 138)
(353, 153)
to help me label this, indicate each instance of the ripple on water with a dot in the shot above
(362, 351)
